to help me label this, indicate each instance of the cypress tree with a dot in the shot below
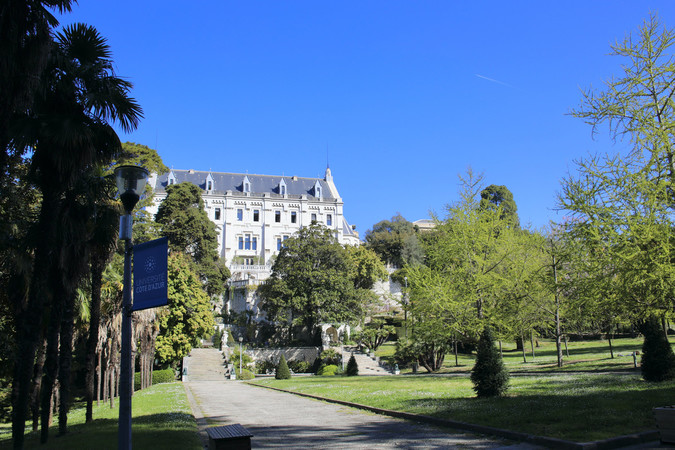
(352, 367)
(489, 376)
(283, 373)
(658, 359)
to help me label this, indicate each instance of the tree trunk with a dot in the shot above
(522, 348)
(98, 377)
(27, 327)
(558, 326)
(456, 356)
(65, 362)
(97, 268)
(532, 343)
(51, 363)
(37, 383)
(611, 349)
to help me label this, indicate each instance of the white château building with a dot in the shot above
(254, 214)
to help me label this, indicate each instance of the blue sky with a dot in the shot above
(398, 96)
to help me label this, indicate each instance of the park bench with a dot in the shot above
(230, 437)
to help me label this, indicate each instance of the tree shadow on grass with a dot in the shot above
(165, 431)
(580, 409)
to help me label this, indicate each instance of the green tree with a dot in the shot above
(188, 317)
(68, 127)
(352, 367)
(367, 266)
(497, 196)
(395, 242)
(374, 334)
(25, 44)
(622, 204)
(311, 283)
(658, 359)
(184, 221)
(282, 372)
(489, 376)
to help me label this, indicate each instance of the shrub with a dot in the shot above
(658, 359)
(234, 358)
(299, 366)
(317, 365)
(217, 339)
(331, 357)
(283, 373)
(158, 376)
(245, 375)
(352, 367)
(328, 370)
(264, 366)
(489, 376)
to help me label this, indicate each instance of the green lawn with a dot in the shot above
(161, 418)
(583, 356)
(580, 402)
(578, 407)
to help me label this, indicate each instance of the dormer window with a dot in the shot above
(209, 183)
(282, 187)
(172, 179)
(246, 185)
(318, 191)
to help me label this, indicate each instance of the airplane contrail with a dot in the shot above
(493, 80)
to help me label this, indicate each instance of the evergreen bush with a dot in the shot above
(658, 359)
(328, 370)
(318, 364)
(489, 376)
(283, 373)
(245, 375)
(352, 367)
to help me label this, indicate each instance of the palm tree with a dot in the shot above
(103, 243)
(25, 40)
(70, 132)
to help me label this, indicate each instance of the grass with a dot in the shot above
(578, 407)
(591, 356)
(161, 418)
(592, 397)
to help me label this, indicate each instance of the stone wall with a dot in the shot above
(308, 354)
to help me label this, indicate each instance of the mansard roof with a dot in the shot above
(260, 184)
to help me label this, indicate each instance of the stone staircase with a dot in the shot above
(367, 365)
(205, 364)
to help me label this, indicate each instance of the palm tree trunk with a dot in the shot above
(27, 327)
(37, 383)
(98, 377)
(51, 366)
(92, 340)
(65, 362)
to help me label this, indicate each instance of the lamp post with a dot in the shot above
(130, 184)
(241, 355)
(342, 352)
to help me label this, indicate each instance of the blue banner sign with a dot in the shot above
(150, 274)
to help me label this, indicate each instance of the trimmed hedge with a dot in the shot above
(328, 370)
(158, 376)
(245, 375)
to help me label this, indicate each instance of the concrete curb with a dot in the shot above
(605, 444)
(202, 424)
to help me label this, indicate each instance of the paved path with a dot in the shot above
(280, 420)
